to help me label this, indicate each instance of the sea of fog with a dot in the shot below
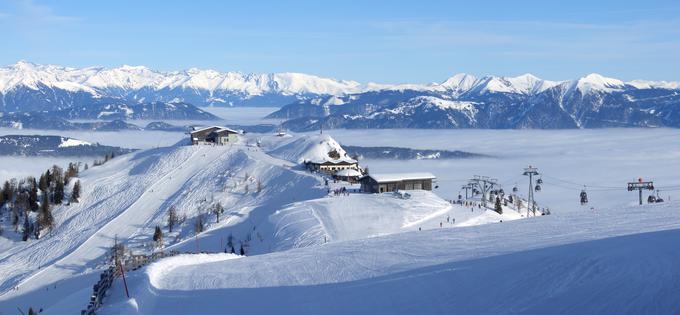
(603, 160)
(33, 166)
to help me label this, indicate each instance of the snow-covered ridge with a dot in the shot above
(70, 142)
(98, 80)
(102, 81)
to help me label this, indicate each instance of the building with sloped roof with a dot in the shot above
(213, 135)
(380, 183)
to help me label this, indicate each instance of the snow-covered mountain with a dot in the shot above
(497, 102)
(26, 86)
(525, 101)
(40, 145)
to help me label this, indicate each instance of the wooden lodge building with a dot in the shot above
(380, 183)
(213, 135)
(330, 166)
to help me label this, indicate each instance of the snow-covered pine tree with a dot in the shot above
(217, 209)
(75, 193)
(172, 218)
(259, 186)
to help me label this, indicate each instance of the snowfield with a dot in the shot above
(310, 251)
(615, 261)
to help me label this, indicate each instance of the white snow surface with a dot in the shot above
(70, 142)
(314, 147)
(313, 252)
(614, 261)
(392, 177)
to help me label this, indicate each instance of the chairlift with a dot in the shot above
(539, 181)
(537, 188)
(514, 189)
(501, 192)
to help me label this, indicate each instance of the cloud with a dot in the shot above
(40, 12)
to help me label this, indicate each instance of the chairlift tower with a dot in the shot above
(639, 186)
(531, 172)
(485, 184)
(467, 187)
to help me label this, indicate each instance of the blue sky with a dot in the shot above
(379, 41)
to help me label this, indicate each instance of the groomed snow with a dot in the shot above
(614, 261)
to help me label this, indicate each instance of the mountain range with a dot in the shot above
(310, 102)
(464, 101)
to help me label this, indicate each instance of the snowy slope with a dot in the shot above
(312, 251)
(360, 216)
(308, 148)
(615, 261)
(128, 196)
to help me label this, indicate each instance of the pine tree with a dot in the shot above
(498, 206)
(241, 251)
(86, 167)
(158, 235)
(233, 251)
(42, 184)
(58, 192)
(259, 186)
(172, 218)
(2, 200)
(217, 210)
(33, 195)
(31, 311)
(7, 192)
(75, 193)
(246, 189)
(45, 217)
(26, 230)
(48, 178)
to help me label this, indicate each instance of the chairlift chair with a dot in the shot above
(537, 188)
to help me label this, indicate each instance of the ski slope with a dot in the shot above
(614, 261)
(127, 197)
(124, 199)
(309, 251)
